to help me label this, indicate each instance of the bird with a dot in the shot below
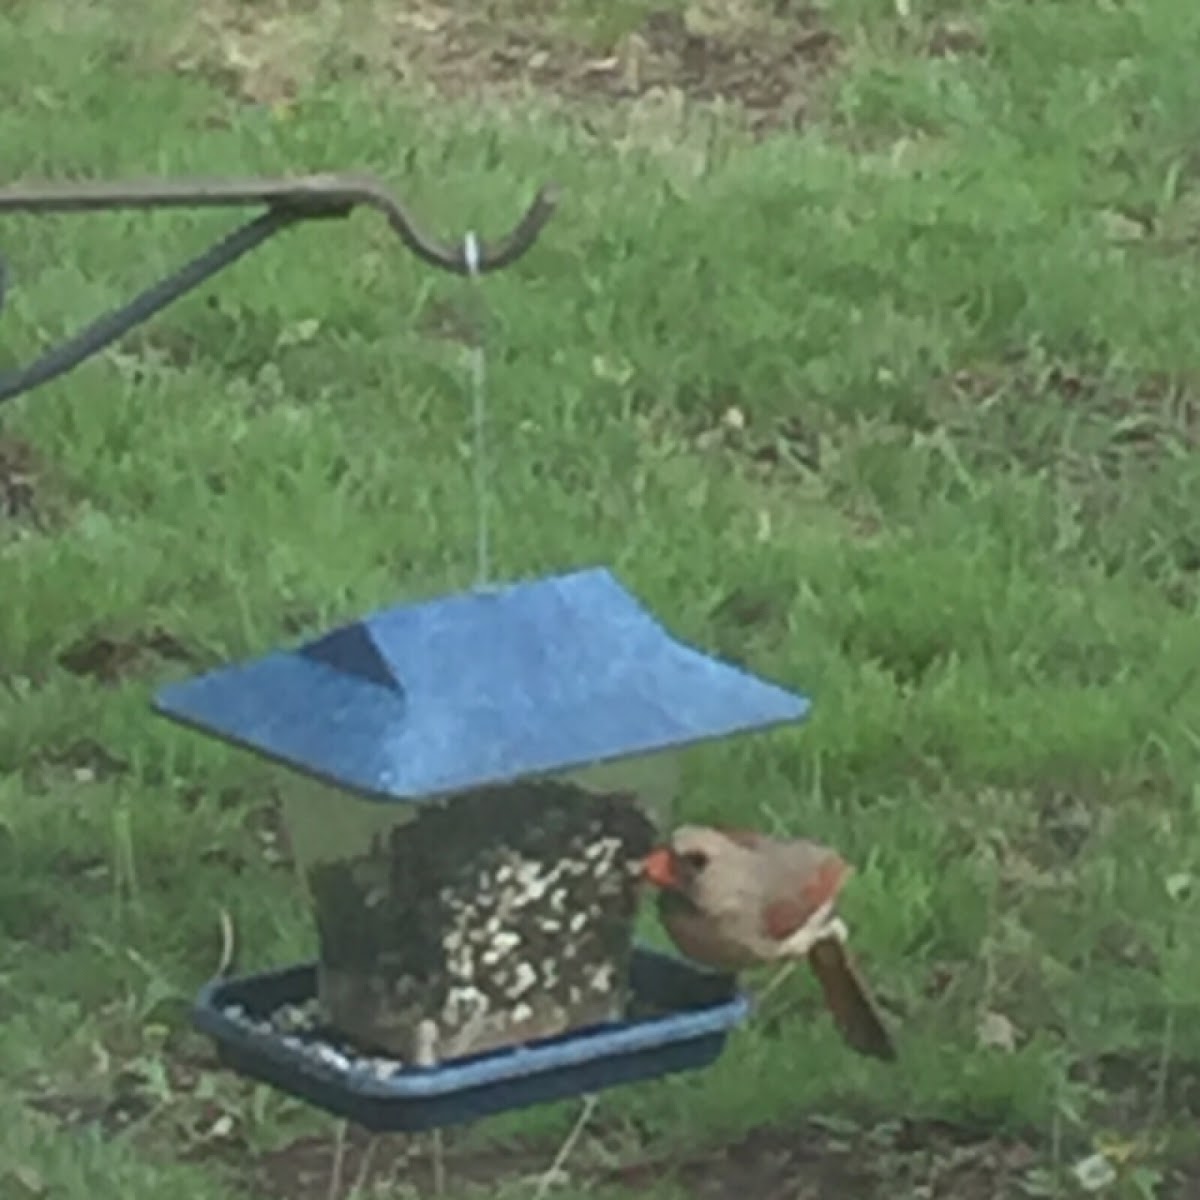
(735, 899)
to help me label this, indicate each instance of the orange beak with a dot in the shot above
(658, 868)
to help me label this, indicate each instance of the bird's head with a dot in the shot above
(700, 864)
(722, 871)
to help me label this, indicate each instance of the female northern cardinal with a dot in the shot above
(732, 900)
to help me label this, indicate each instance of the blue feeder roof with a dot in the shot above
(480, 688)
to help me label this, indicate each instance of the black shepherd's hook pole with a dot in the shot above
(286, 201)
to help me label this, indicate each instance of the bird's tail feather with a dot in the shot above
(848, 999)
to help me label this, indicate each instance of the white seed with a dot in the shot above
(522, 1012)
(460, 1001)
(425, 1041)
(604, 848)
(382, 1068)
(577, 922)
(602, 978)
(532, 892)
(505, 941)
(329, 1056)
(524, 977)
(558, 900)
(552, 876)
(549, 925)
(527, 872)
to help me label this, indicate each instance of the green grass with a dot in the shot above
(956, 315)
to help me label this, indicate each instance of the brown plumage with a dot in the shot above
(731, 900)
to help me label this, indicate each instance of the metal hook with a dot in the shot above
(287, 202)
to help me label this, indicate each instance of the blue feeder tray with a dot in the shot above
(688, 1015)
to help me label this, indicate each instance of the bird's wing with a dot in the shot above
(796, 906)
(847, 997)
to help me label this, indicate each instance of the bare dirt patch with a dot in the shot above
(1141, 420)
(766, 72)
(819, 1160)
(27, 493)
(111, 658)
(765, 62)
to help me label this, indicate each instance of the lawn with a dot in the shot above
(862, 346)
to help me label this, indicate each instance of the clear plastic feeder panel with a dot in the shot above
(492, 917)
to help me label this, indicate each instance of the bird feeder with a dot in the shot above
(473, 781)
(477, 778)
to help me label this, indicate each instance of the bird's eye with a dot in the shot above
(695, 860)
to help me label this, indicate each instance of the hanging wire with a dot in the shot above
(477, 363)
